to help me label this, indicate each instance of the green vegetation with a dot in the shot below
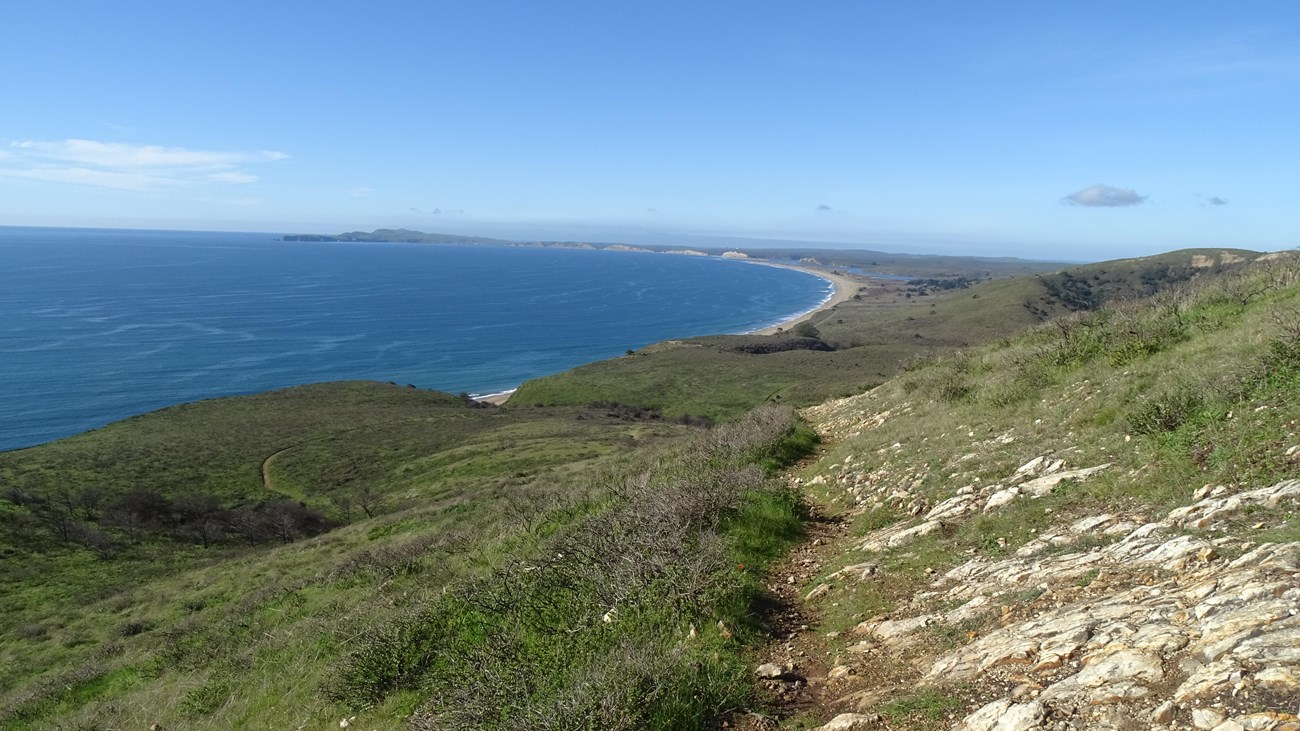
(417, 560)
(135, 547)
(467, 559)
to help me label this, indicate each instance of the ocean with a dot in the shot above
(100, 324)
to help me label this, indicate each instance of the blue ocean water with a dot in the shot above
(97, 325)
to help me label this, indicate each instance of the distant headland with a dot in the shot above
(398, 235)
(801, 254)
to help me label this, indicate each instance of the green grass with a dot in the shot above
(159, 631)
(925, 706)
(453, 491)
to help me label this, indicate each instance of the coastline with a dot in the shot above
(844, 289)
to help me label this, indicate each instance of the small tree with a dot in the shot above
(806, 329)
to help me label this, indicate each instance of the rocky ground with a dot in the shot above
(1120, 618)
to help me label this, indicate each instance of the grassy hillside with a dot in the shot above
(423, 535)
(982, 495)
(181, 530)
(871, 338)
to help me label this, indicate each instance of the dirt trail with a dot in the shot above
(793, 645)
(266, 467)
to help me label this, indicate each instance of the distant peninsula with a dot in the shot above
(397, 235)
(802, 254)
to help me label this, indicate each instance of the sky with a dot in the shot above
(1051, 130)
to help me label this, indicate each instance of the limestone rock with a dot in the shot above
(851, 722)
(1206, 718)
(1004, 715)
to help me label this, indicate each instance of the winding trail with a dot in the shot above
(266, 466)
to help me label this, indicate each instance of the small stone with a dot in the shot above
(769, 671)
(817, 591)
(1164, 713)
(851, 722)
(839, 671)
(1277, 678)
(1260, 721)
(1206, 718)
(1025, 690)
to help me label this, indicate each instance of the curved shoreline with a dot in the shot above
(844, 289)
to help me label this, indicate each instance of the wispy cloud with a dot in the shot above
(361, 192)
(1104, 196)
(123, 166)
(1215, 200)
(87, 176)
(823, 207)
(233, 177)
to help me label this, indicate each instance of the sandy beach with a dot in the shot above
(845, 288)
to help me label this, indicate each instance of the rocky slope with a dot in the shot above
(1045, 564)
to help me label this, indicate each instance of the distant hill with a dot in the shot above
(876, 262)
(397, 235)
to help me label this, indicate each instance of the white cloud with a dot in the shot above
(118, 155)
(86, 176)
(233, 177)
(123, 166)
(1104, 196)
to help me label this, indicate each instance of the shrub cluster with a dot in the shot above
(90, 518)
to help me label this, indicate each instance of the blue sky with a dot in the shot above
(1052, 130)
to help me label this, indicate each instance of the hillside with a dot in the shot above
(1092, 525)
(910, 265)
(397, 235)
(396, 558)
(167, 567)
